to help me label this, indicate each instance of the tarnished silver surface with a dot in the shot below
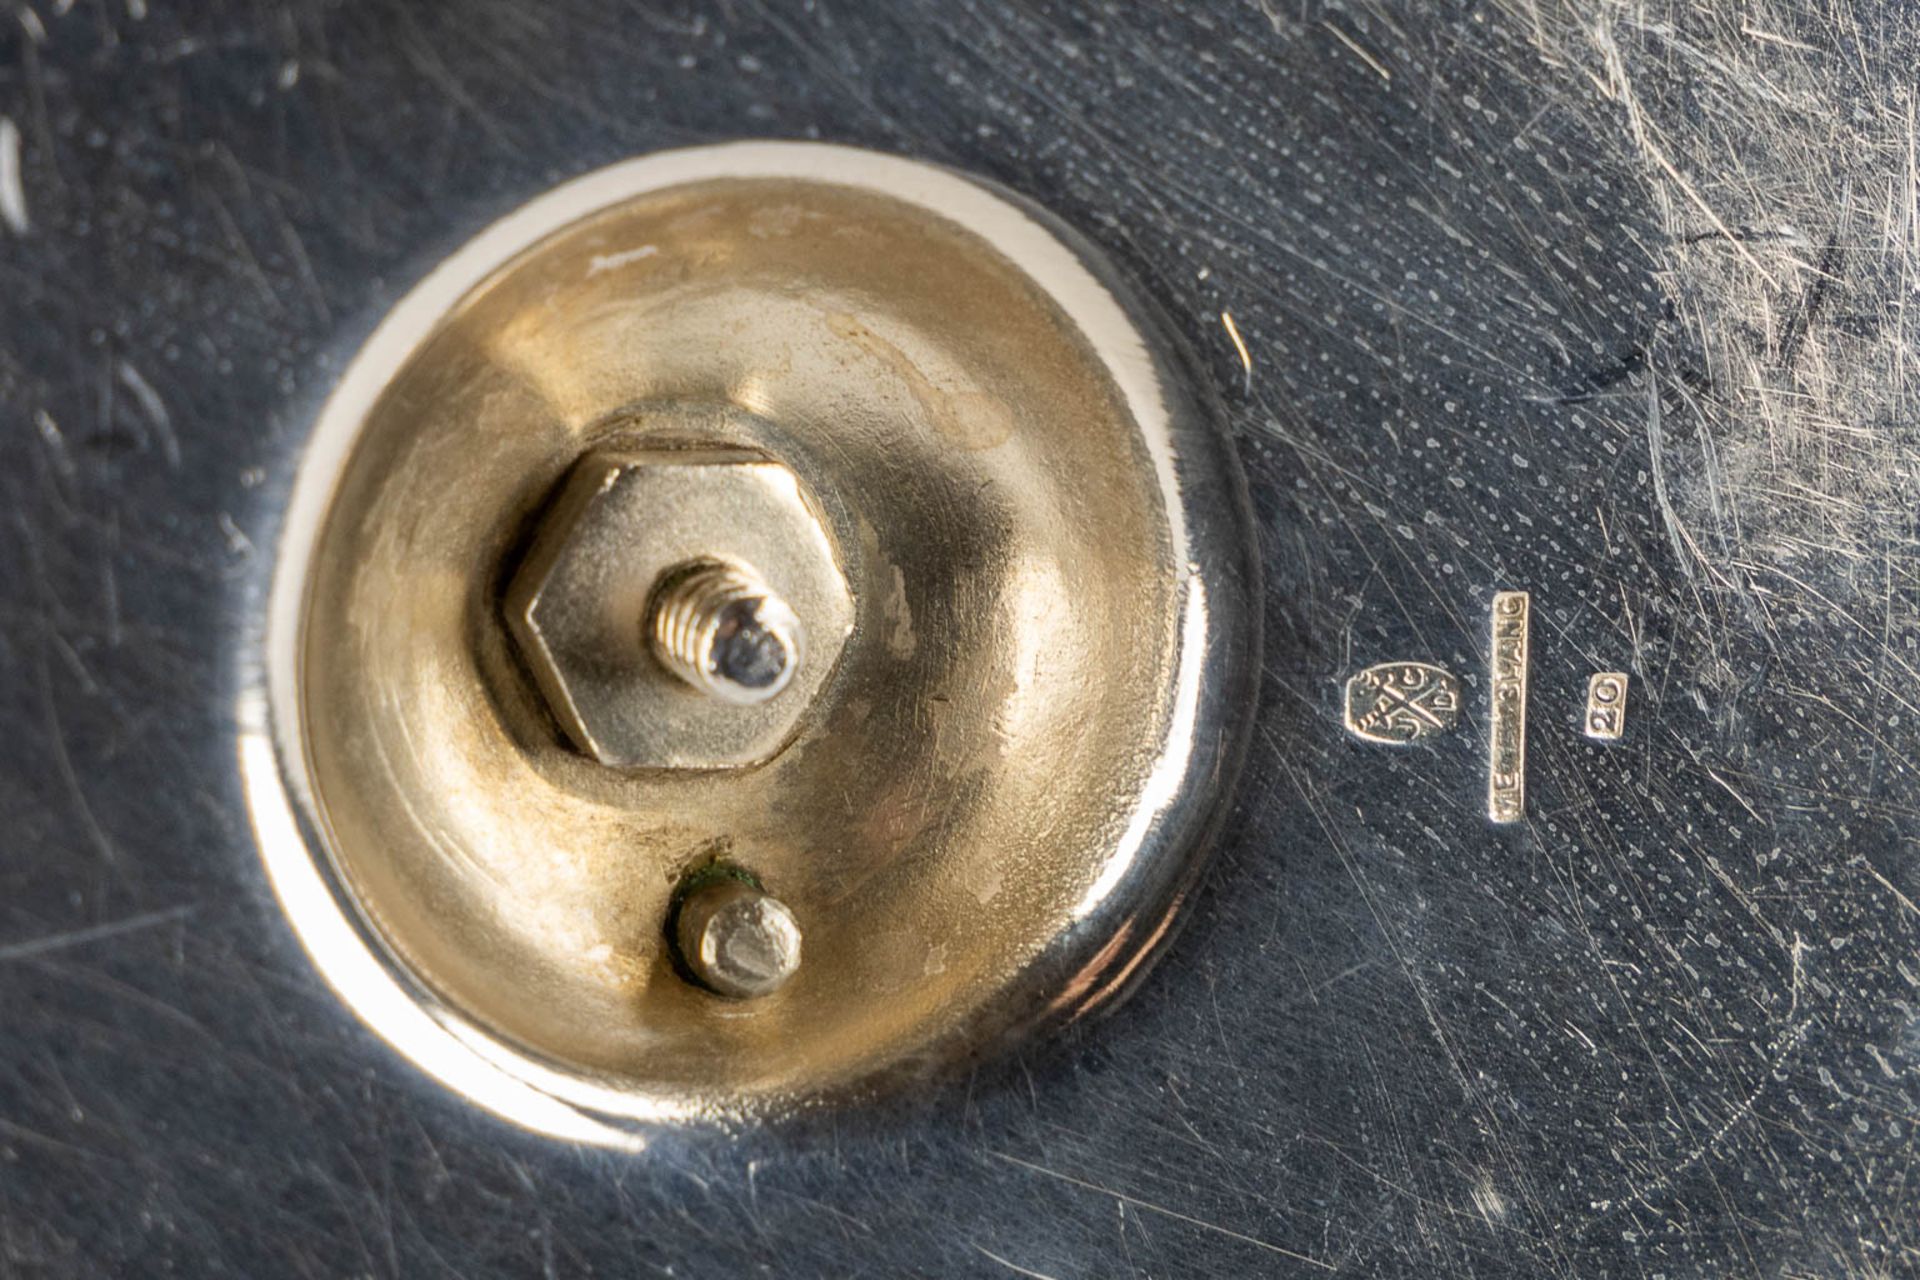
(1606, 300)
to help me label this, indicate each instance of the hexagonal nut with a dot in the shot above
(623, 524)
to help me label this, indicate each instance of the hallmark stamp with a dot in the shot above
(1606, 704)
(1507, 756)
(1401, 702)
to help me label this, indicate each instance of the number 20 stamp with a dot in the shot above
(1606, 704)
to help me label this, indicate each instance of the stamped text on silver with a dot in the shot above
(1401, 702)
(1507, 763)
(1606, 704)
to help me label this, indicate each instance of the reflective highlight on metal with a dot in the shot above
(990, 810)
(1606, 717)
(1401, 702)
(1507, 763)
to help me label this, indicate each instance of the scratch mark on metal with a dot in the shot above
(1728, 788)
(56, 443)
(1619, 87)
(1358, 52)
(80, 937)
(1014, 1267)
(1785, 1045)
(1758, 34)
(1488, 1202)
(614, 261)
(69, 775)
(1860, 860)
(1175, 1214)
(13, 195)
(1239, 345)
(155, 409)
(237, 540)
(21, 1133)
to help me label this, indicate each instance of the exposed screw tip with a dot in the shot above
(725, 632)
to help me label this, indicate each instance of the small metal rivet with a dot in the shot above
(723, 631)
(736, 940)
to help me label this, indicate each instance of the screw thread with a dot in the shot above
(723, 631)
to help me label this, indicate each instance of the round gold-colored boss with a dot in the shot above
(757, 622)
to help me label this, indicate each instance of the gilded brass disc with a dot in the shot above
(984, 817)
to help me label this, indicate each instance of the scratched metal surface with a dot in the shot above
(1613, 301)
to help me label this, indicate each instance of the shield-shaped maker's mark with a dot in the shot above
(1401, 702)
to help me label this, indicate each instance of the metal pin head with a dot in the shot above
(735, 939)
